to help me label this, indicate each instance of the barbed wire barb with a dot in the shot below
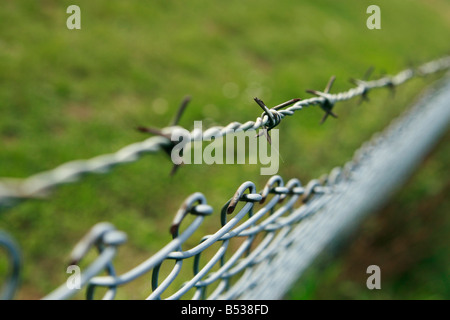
(328, 101)
(173, 124)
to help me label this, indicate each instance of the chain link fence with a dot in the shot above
(281, 228)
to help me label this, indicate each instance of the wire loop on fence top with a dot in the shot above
(270, 185)
(294, 186)
(312, 188)
(334, 177)
(102, 234)
(231, 204)
(189, 206)
(241, 196)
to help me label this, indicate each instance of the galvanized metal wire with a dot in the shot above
(283, 227)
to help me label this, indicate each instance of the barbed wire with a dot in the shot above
(294, 222)
(38, 185)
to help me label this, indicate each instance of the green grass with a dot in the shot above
(68, 95)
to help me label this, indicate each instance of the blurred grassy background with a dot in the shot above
(74, 94)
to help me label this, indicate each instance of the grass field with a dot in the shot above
(75, 94)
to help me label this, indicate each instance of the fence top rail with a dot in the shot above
(38, 185)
